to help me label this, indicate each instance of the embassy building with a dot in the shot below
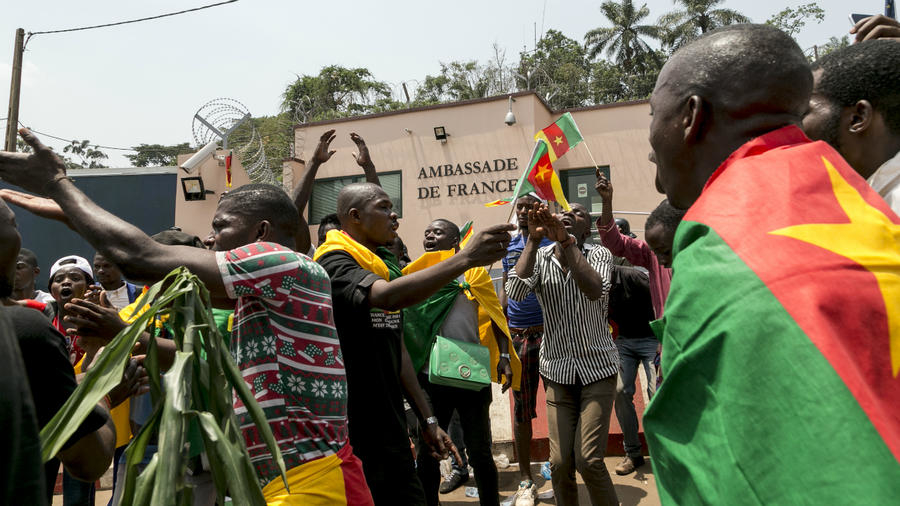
(448, 160)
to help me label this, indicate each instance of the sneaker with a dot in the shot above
(526, 495)
(629, 464)
(453, 482)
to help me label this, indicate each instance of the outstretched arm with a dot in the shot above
(139, 257)
(303, 190)
(485, 248)
(588, 280)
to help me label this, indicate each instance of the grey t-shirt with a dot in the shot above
(461, 323)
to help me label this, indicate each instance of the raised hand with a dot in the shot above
(39, 206)
(876, 27)
(362, 157)
(489, 245)
(553, 227)
(535, 231)
(322, 154)
(603, 186)
(32, 171)
(93, 320)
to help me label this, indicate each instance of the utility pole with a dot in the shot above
(15, 86)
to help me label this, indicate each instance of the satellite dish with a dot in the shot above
(227, 121)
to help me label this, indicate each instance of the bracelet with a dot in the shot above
(431, 420)
(504, 355)
(108, 402)
(56, 179)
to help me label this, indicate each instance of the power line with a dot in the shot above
(105, 25)
(172, 150)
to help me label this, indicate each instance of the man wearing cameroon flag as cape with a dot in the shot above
(465, 309)
(369, 293)
(781, 336)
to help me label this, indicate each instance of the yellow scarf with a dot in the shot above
(338, 240)
(481, 290)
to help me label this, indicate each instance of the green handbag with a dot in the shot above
(459, 364)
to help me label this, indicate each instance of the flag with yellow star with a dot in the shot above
(562, 135)
(540, 178)
(781, 336)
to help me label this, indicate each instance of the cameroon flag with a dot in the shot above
(781, 337)
(560, 136)
(539, 178)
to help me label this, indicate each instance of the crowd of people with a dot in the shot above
(775, 345)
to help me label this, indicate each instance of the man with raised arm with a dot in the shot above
(303, 190)
(369, 293)
(780, 336)
(282, 304)
(578, 359)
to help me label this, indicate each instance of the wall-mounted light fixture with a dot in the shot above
(193, 188)
(440, 133)
(510, 119)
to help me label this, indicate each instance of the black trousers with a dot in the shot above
(391, 476)
(474, 416)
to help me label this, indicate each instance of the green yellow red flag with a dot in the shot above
(560, 136)
(781, 336)
(540, 178)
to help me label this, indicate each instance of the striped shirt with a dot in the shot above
(286, 346)
(577, 342)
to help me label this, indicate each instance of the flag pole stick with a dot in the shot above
(591, 155)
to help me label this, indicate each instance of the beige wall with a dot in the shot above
(616, 135)
(195, 217)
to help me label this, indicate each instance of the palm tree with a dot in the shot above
(698, 17)
(623, 40)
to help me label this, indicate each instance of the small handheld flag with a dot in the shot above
(560, 136)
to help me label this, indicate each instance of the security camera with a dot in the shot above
(191, 163)
(510, 119)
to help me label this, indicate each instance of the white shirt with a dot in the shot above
(118, 297)
(886, 181)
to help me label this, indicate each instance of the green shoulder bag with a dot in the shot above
(459, 364)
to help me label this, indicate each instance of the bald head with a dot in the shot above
(715, 94)
(745, 69)
(355, 196)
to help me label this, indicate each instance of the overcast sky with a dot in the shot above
(142, 83)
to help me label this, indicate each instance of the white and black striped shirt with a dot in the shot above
(576, 334)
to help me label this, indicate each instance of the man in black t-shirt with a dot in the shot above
(21, 477)
(368, 298)
(51, 379)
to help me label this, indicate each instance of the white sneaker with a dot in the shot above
(526, 495)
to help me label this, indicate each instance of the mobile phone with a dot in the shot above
(856, 18)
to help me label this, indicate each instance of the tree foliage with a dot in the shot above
(833, 44)
(336, 92)
(695, 18)
(610, 83)
(624, 40)
(557, 70)
(791, 21)
(86, 156)
(158, 155)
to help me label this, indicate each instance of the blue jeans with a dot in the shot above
(633, 352)
(77, 492)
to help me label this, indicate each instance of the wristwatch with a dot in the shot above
(431, 420)
(504, 355)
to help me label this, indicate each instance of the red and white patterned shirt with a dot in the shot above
(286, 346)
